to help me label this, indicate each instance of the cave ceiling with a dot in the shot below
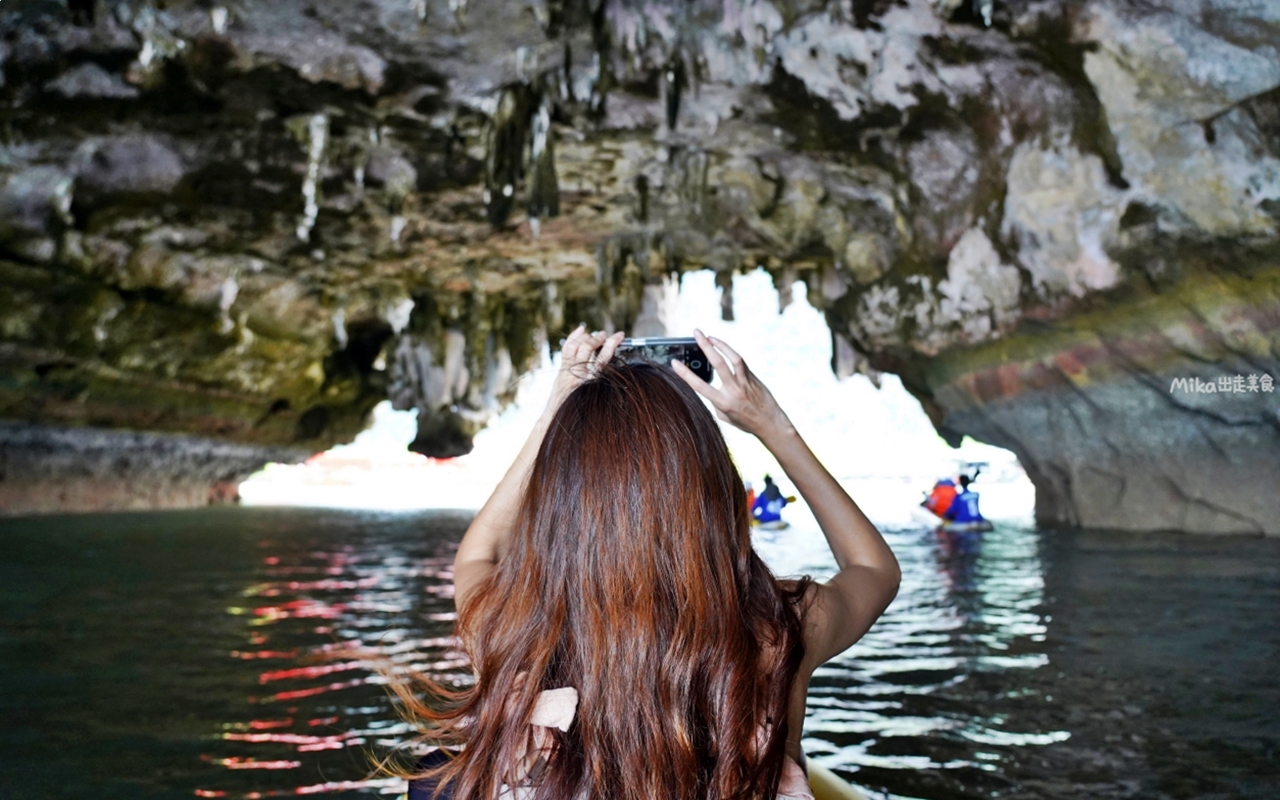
(252, 221)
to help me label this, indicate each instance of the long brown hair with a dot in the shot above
(630, 576)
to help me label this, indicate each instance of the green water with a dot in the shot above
(227, 653)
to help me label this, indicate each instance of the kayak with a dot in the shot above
(978, 526)
(777, 525)
(826, 785)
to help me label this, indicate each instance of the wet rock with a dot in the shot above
(980, 293)
(1117, 429)
(318, 57)
(34, 201)
(944, 169)
(35, 204)
(388, 169)
(1060, 214)
(425, 379)
(131, 164)
(90, 81)
(55, 469)
(251, 223)
(867, 257)
(1166, 78)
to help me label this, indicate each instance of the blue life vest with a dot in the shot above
(768, 510)
(964, 508)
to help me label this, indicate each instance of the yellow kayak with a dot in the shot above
(827, 786)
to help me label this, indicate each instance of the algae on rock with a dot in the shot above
(249, 224)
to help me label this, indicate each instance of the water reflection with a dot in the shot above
(317, 620)
(320, 620)
(969, 604)
(232, 654)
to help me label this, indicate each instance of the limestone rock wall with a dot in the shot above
(250, 222)
(45, 468)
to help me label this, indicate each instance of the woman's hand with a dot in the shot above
(742, 400)
(581, 353)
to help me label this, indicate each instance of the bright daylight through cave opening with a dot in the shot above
(874, 439)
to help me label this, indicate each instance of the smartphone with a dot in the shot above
(663, 350)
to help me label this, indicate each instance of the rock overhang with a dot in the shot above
(218, 217)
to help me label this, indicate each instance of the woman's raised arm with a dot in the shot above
(847, 605)
(485, 543)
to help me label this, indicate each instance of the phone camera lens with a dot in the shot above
(695, 364)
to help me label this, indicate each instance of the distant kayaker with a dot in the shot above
(768, 506)
(940, 499)
(625, 640)
(964, 509)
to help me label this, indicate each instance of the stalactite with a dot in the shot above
(984, 10)
(544, 189)
(844, 360)
(642, 198)
(847, 360)
(340, 328)
(397, 314)
(505, 143)
(459, 10)
(658, 304)
(159, 44)
(624, 274)
(675, 80)
(553, 305)
(783, 281)
(316, 134)
(645, 258)
(724, 279)
(834, 284)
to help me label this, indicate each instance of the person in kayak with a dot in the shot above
(964, 509)
(940, 499)
(768, 506)
(625, 640)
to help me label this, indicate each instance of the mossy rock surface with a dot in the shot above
(251, 223)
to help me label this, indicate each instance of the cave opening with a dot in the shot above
(876, 440)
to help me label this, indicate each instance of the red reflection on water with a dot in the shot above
(235, 762)
(308, 748)
(306, 586)
(268, 724)
(302, 740)
(253, 654)
(342, 786)
(301, 609)
(300, 570)
(259, 724)
(318, 788)
(299, 693)
(309, 672)
(347, 645)
(376, 600)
